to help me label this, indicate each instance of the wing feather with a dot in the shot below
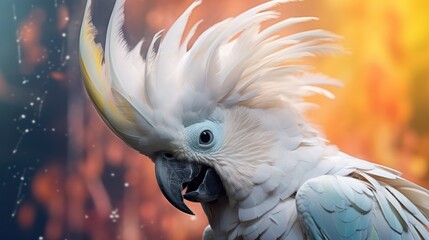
(338, 207)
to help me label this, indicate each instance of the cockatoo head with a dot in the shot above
(208, 114)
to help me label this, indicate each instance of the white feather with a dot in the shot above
(216, 71)
(240, 71)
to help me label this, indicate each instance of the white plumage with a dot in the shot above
(246, 85)
(216, 71)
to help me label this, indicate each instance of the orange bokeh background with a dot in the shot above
(381, 114)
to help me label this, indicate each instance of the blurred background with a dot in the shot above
(64, 175)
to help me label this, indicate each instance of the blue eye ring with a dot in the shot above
(206, 138)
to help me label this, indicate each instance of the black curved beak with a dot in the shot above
(173, 176)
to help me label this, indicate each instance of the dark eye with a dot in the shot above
(206, 137)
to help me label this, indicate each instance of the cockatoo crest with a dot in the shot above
(234, 62)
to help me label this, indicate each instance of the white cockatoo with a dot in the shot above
(223, 122)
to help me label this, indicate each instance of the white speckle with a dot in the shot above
(26, 130)
(67, 57)
(23, 116)
(193, 218)
(114, 215)
(37, 76)
(126, 184)
(14, 151)
(112, 174)
(31, 103)
(24, 82)
(22, 178)
(66, 18)
(38, 98)
(33, 121)
(41, 238)
(63, 35)
(86, 216)
(53, 129)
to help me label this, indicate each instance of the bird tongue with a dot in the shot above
(206, 187)
(203, 184)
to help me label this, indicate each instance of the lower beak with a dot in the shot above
(173, 176)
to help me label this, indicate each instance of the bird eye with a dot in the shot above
(206, 137)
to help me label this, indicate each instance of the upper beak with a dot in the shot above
(203, 184)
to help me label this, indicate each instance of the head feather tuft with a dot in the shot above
(233, 63)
